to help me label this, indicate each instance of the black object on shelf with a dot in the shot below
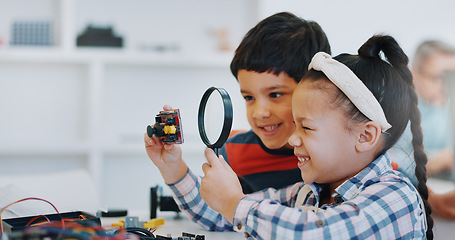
(99, 37)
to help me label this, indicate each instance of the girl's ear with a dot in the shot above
(368, 136)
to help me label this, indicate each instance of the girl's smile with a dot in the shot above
(323, 141)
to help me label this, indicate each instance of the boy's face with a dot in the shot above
(322, 141)
(268, 100)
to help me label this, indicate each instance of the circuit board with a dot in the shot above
(167, 127)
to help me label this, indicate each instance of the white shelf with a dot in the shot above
(113, 56)
(70, 107)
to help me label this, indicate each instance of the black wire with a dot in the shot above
(142, 233)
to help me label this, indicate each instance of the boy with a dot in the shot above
(268, 64)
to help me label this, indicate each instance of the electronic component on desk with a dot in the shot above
(185, 236)
(113, 213)
(168, 127)
(71, 225)
(164, 203)
(130, 222)
(18, 224)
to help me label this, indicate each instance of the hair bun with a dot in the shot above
(389, 46)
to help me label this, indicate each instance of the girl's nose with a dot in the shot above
(294, 141)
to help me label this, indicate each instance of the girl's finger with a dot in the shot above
(167, 107)
(205, 168)
(212, 159)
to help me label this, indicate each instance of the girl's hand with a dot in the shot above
(167, 157)
(220, 187)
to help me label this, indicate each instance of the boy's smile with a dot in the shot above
(268, 100)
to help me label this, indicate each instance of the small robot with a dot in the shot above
(168, 127)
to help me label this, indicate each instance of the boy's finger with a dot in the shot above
(224, 163)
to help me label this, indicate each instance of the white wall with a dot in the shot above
(59, 112)
(348, 24)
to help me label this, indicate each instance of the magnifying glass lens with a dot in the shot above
(215, 104)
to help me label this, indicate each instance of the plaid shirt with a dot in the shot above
(377, 203)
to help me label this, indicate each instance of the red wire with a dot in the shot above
(37, 218)
(24, 199)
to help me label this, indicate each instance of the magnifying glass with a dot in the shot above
(227, 124)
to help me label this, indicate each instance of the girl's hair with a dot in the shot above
(282, 42)
(390, 81)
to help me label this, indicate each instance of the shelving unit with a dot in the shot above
(65, 107)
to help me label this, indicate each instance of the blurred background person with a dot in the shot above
(432, 61)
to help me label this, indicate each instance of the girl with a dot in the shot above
(347, 117)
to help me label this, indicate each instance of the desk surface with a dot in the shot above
(443, 228)
(174, 226)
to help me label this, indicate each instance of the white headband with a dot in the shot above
(351, 86)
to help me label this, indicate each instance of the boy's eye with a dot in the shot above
(275, 94)
(248, 98)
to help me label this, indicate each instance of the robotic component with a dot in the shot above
(168, 127)
(161, 202)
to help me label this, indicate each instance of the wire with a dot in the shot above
(142, 233)
(29, 222)
(25, 199)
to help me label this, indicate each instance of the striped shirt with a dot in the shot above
(377, 203)
(257, 166)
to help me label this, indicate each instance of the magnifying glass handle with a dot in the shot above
(216, 151)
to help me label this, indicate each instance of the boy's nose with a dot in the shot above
(261, 112)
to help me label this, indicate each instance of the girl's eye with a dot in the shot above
(248, 98)
(275, 94)
(306, 128)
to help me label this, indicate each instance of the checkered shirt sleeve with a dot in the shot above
(187, 197)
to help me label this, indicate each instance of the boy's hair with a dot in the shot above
(282, 42)
(390, 81)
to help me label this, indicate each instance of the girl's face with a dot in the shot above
(268, 99)
(322, 141)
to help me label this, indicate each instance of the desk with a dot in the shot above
(175, 226)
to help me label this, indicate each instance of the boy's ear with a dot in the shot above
(368, 136)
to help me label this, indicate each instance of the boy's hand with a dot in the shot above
(220, 187)
(167, 157)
